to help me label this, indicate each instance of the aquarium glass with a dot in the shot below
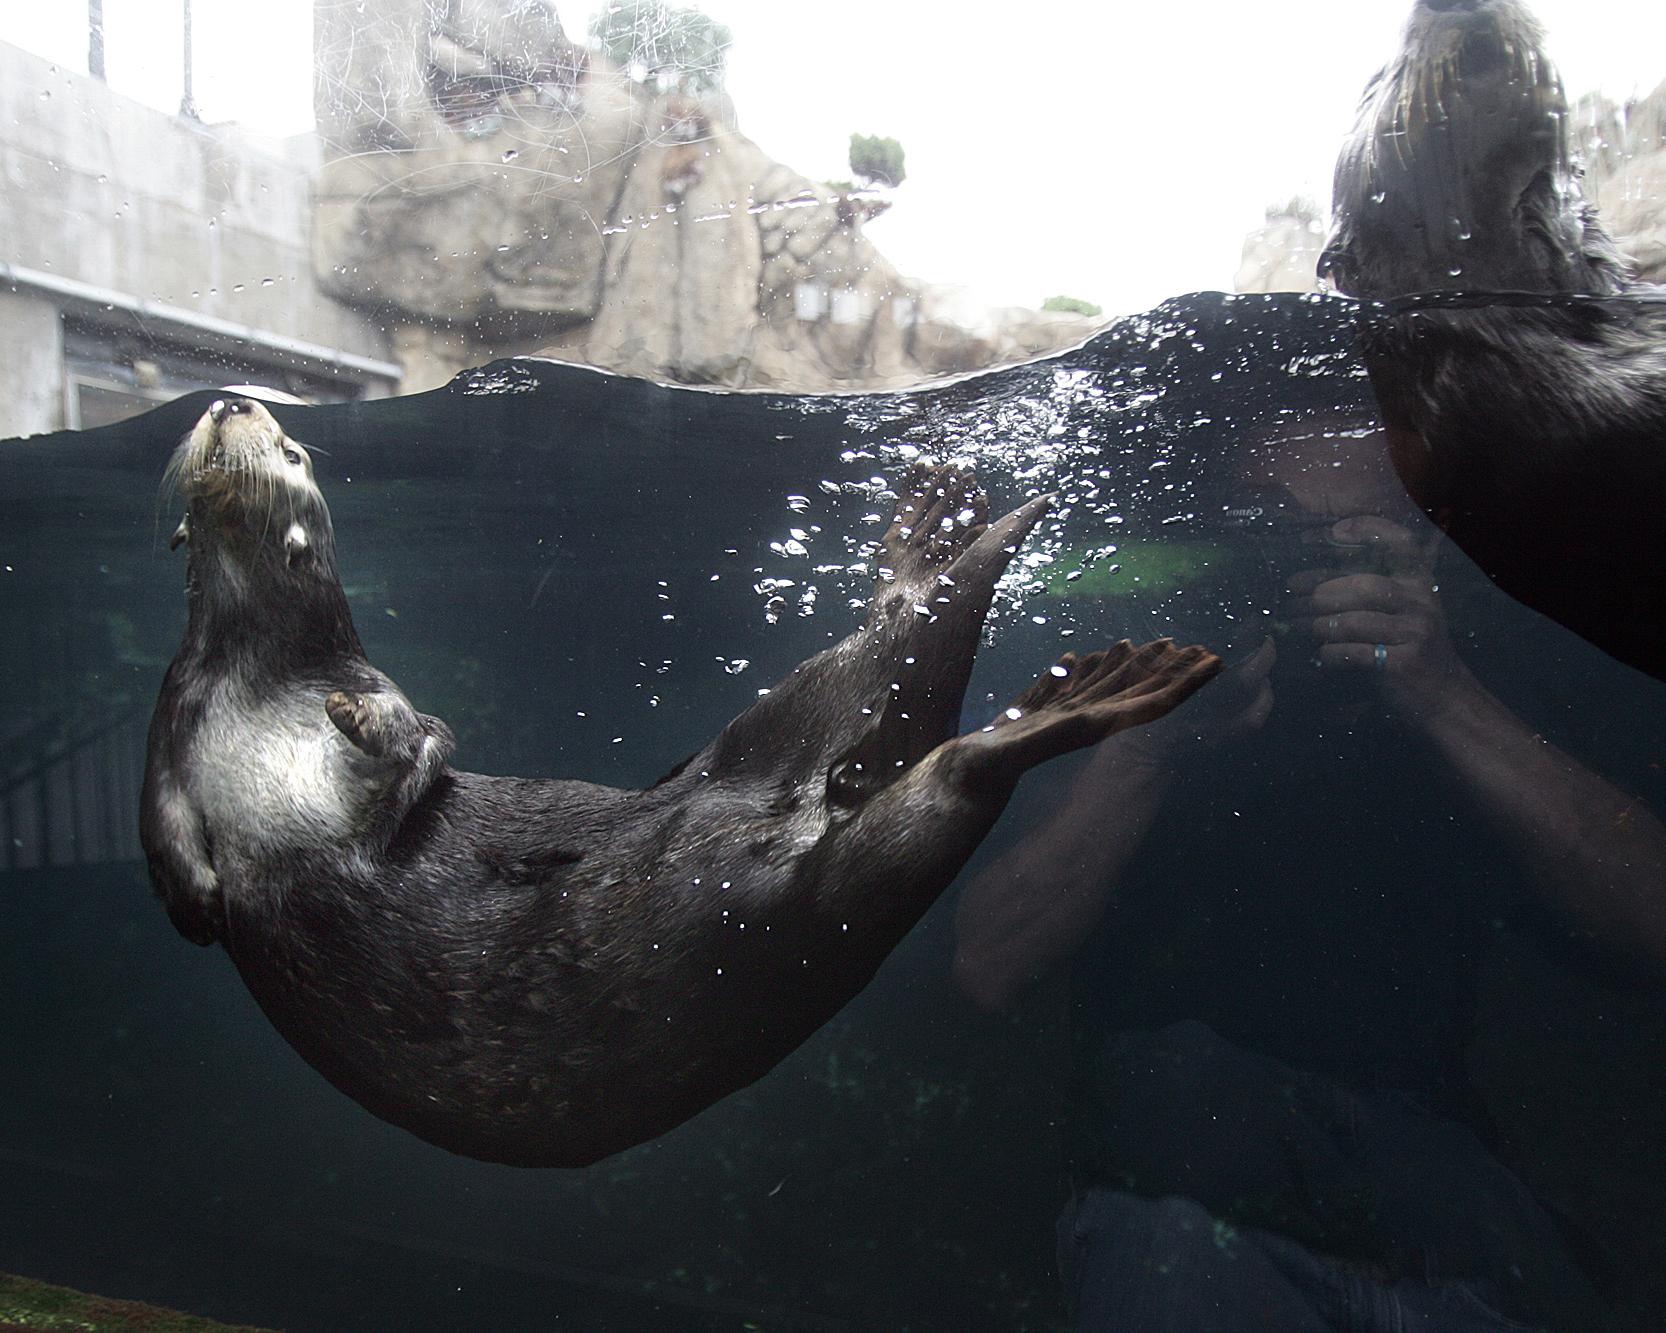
(616, 333)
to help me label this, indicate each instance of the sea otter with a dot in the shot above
(544, 972)
(1521, 371)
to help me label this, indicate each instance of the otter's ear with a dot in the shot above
(1335, 264)
(182, 534)
(296, 543)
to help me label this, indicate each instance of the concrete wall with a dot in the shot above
(210, 219)
(31, 364)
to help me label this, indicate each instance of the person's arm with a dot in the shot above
(1590, 848)
(1035, 904)
(1586, 845)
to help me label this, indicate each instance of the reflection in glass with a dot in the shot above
(1524, 386)
(1346, 974)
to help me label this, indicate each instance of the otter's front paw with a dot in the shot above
(190, 890)
(353, 716)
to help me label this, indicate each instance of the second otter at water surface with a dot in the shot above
(1520, 367)
(544, 972)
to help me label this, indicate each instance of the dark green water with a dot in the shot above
(572, 569)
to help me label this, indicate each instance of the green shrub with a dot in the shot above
(1071, 305)
(663, 45)
(877, 160)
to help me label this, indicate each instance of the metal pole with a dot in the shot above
(188, 104)
(95, 38)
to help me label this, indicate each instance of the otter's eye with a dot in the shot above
(293, 456)
(847, 784)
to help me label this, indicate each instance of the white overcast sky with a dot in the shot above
(1116, 152)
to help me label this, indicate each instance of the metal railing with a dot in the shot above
(69, 791)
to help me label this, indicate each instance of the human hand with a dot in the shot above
(1383, 615)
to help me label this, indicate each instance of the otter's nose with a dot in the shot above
(221, 408)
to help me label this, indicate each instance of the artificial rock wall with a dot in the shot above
(490, 189)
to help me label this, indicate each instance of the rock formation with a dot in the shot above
(1283, 255)
(490, 188)
(1624, 147)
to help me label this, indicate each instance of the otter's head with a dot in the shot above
(1460, 173)
(249, 490)
(262, 549)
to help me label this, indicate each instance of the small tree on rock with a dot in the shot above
(663, 46)
(876, 160)
(1071, 305)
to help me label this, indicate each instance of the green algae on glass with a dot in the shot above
(27, 1304)
(1138, 569)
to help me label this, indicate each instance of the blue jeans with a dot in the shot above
(1221, 1189)
(1154, 1265)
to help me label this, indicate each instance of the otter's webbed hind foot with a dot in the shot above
(1079, 702)
(940, 550)
(883, 698)
(940, 511)
(940, 561)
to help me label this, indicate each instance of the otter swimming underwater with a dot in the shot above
(544, 972)
(1521, 373)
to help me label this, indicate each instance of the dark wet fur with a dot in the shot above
(544, 972)
(1533, 432)
(1460, 174)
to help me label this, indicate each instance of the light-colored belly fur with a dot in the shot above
(275, 774)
